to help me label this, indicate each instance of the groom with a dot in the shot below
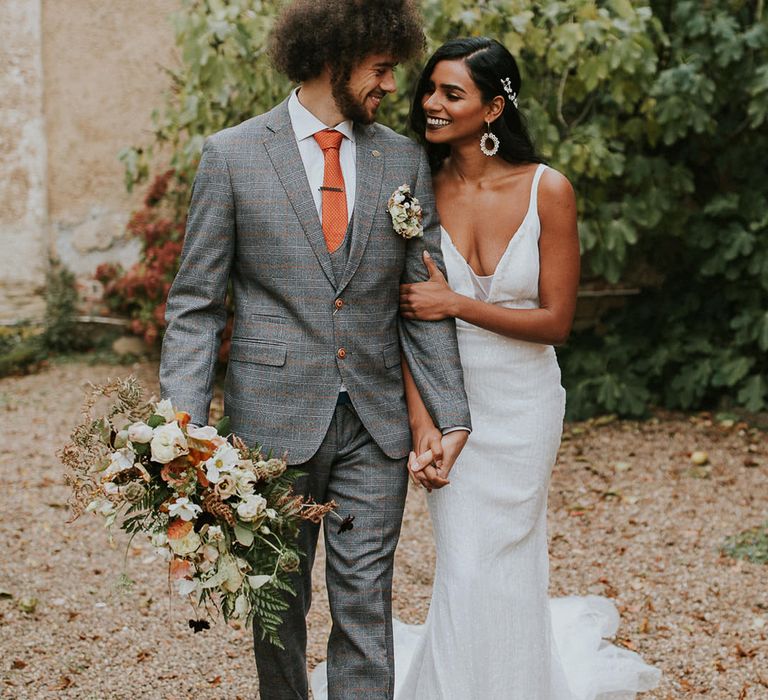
(291, 206)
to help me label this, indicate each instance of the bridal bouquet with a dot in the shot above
(221, 514)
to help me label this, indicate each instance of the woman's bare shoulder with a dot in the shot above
(555, 187)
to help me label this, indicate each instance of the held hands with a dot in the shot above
(432, 467)
(430, 300)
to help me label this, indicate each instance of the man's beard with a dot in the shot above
(347, 103)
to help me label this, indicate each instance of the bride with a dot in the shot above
(511, 253)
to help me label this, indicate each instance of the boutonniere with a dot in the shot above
(406, 214)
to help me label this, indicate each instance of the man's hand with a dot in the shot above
(434, 475)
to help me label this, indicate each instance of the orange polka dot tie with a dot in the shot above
(334, 199)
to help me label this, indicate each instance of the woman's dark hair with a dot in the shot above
(488, 62)
(310, 34)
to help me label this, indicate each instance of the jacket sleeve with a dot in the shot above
(196, 307)
(430, 347)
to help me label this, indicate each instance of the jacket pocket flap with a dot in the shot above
(258, 353)
(391, 355)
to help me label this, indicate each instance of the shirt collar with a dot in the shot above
(306, 124)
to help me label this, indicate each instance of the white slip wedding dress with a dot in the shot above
(491, 632)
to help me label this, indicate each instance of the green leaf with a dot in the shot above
(223, 426)
(244, 535)
(155, 420)
(753, 394)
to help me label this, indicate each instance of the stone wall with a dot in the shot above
(23, 210)
(78, 82)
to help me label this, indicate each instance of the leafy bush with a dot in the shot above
(657, 113)
(24, 345)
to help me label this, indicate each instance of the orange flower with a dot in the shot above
(178, 528)
(172, 472)
(180, 568)
(183, 418)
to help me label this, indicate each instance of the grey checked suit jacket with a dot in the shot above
(252, 219)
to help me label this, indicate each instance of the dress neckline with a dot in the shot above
(532, 206)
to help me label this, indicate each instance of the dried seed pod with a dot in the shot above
(215, 506)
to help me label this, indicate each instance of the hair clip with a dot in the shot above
(506, 83)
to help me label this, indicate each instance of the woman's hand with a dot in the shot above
(427, 439)
(430, 300)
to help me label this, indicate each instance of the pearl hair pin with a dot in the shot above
(506, 83)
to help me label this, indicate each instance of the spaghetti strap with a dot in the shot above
(534, 203)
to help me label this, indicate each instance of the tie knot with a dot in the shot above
(329, 138)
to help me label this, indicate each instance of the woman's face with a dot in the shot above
(453, 105)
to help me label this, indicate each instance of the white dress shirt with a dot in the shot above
(305, 126)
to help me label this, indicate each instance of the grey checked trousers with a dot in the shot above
(350, 469)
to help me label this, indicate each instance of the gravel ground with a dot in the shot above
(630, 517)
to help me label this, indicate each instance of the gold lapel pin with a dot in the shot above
(375, 153)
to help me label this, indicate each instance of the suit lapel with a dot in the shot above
(370, 173)
(284, 153)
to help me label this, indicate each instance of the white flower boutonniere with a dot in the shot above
(406, 214)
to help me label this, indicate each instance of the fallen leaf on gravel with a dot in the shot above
(64, 683)
(143, 655)
(27, 604)
(215, 680)
(744, 653)
(18, 663)
(743, 693)
(626, 643)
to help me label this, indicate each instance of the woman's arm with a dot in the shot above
(558, 279)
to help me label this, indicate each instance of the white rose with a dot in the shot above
(245, 480)
(164, 408)
(139, 432)
(168, 443)
(119, 461)
(252, 508)
(207, 432)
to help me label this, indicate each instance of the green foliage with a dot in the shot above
(656, 110)
(751, 545)
(61, 332)
(24, 346)
(20, 349)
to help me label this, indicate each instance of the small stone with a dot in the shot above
(699, 457)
